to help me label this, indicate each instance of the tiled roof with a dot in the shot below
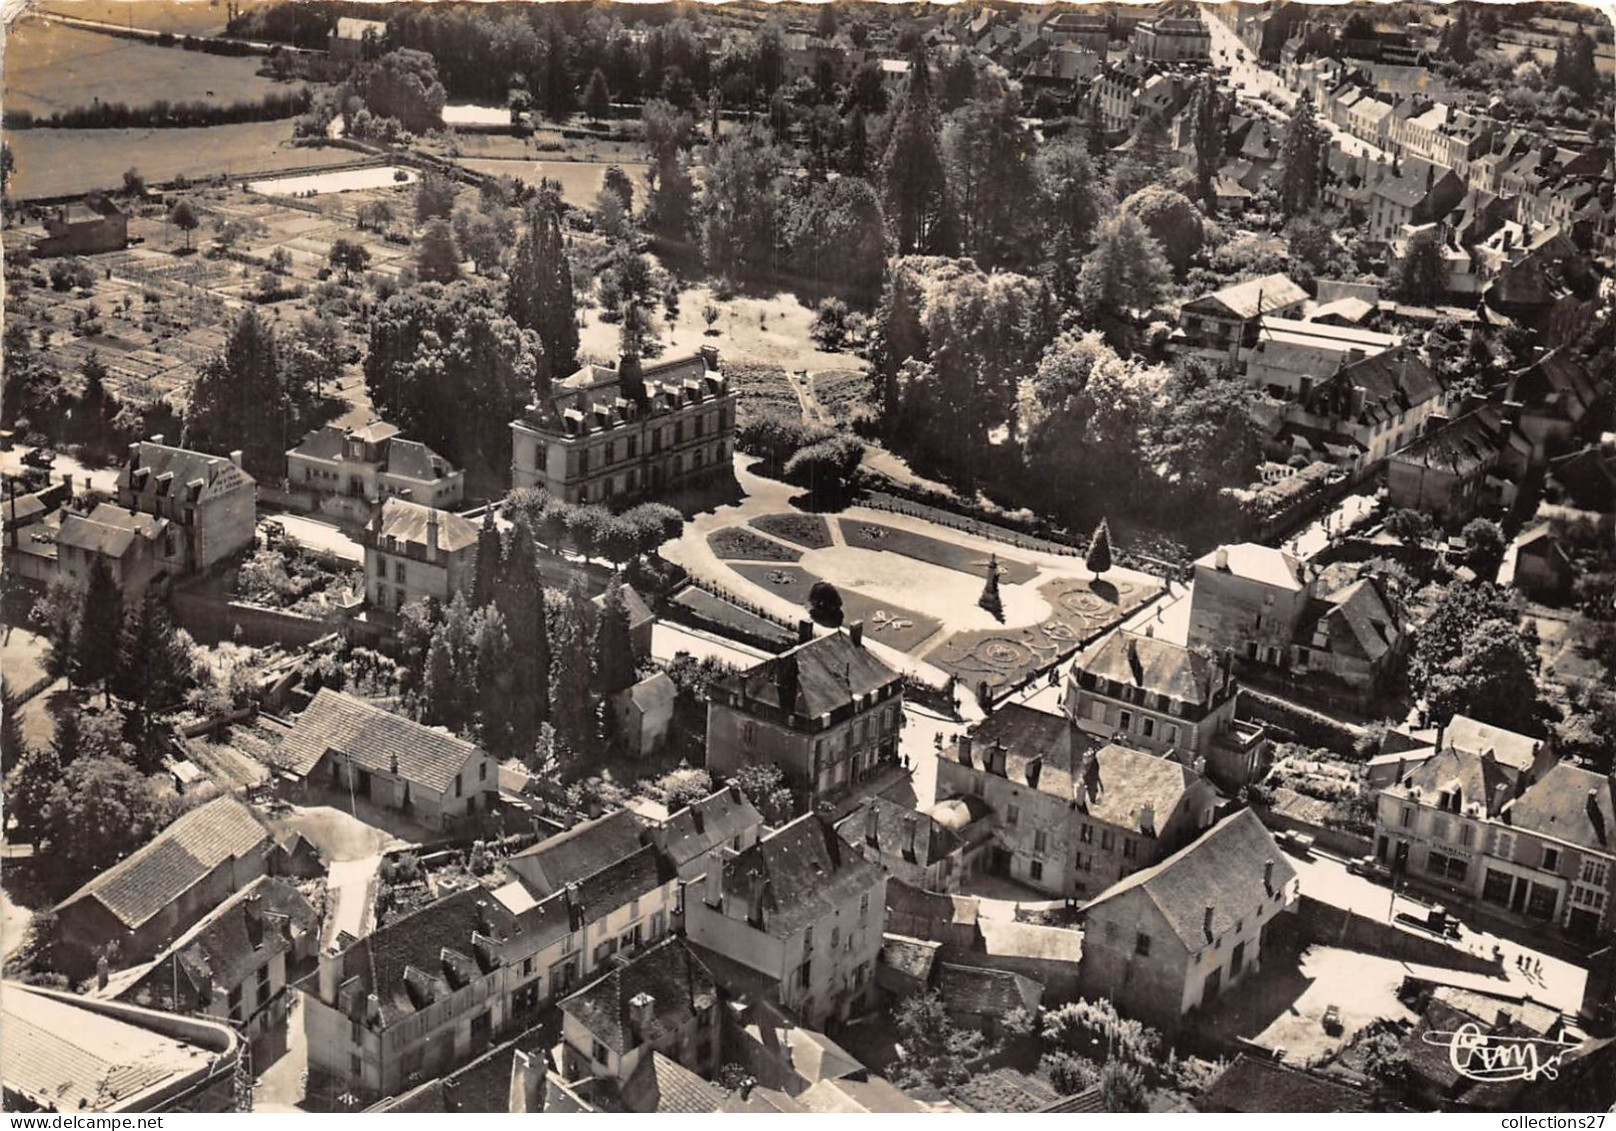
(374, 739)
(1223, 870)
(811, 1054)
(1357, 621)
(180, 856)
(1466, 447)
(761, 1101)
(185, 465)
(913, 957)
(325, 442)
(1157, 666)
(660, 1085)
(1006, 938)
(1257, 296)
(66, 1058)
(1123, 783)
(989, 993)
(1393, 382)
(813, 679)
(581, 851)
(616, 885)
(1472, 777)
(704, 825)
(675, 979)
(1476, 737)
(1569, 804)
(805, 871)
(1254, 1085)
(931, 841)
(108, 530)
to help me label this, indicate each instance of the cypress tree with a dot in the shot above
(488, 561)
(614, 647)
(912, 194)
(95, 646)
(539, 296)
(1099, 555)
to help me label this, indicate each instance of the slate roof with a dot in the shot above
(1254, 1085)
(70, 1059)
(1556, 381)
(1274, 568)
(1569, 804)
(407, 522)
(706, 824)
(811, 1055)
(411, 459)
(1156, 665)
(676, 979)
(805, 871)
(1472, 776)
(932, 841)
(582, 850)
(225, 948)
(181, 856)
(374, 739)
(812, 680)
(185, 465)
(1026, 733)
(1122, 783)
(1476, 737)
(593, 396)
(987, 993)
(1466, 447)
(1393, 382)
(1357, 620)
(1222, 870)
(912, 957)
(109, 530)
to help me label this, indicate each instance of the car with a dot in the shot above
(1369, 868)
(1294, 842)
(39, 457)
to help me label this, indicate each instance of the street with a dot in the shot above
(320, 534)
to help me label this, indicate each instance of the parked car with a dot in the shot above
(1370, 868)
(1299, 844)
(39, 457)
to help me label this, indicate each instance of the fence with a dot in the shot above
(1339, 841)
(1336, 926)
(212, 619)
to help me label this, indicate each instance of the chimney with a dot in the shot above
(575, 907)
(235, 456)
(750, 1082)
(872, 825)
(1147, 819)
(1031, 770)
(805, 631)
(1441, 732)
(734, 794)
(754, 901)
(697, 819)
(328, 976)
(964, 748)
(527, 1084)
(102, 971)
(134, 454)
(709, 358)
(714, 896)
(204, 988)
(996, 759)
(1268, 876)
(630, 378)
(1207, 923)
(855, 633)
(1596, 816)
(1220, 559)
(641, 1012)
(432, 534)
(157, 439)
(911, 829)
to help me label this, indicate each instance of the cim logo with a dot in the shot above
(1476, 1055)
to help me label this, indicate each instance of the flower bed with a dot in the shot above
(806, 530)
(949, 555)
(736, 543)
(903, 629)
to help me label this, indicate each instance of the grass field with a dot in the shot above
(63, 162)
(580, 180)
(52, 67)
(191, 17)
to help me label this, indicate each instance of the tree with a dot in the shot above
(1302, 154)
(95, 650)
(1099, 555)
(838, 237)
(1456, 43)
(1574, 66)
(572, 707)
(826, 468)
(96, 407)
(988, 162)
(1484, 547)
(825, 603)
(437, 260)
(912, 177)
(489, 550)
(183, 216)
(618, 183)
(1172, 220)
(29, 785)
(1410, 526)
(434, 197)
(937, 1051)
(520, 598)
(539, 295)
(614, 647)
(765, 787)
(133, 183)
(58, 610)
(1493, 678)
(597, 99)
(1073, 197)
(402, 84)
(12, 743)
(1209, 134)
(666, 132)
(100, 810)
(742, 220)
(1459, 611)
(1127, 272)
(155, 664)
(1419, 276)
(628, 278)
(348, 256)
(239, 397)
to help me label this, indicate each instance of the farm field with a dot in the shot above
(580, 180)
(51, 67)
(344, 180)
(65, 162)
(195, 18)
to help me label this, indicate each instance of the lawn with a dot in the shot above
(66, 162)
(722, 614)
(903, 629)
(581, 181)
(949, 555)
(736, 543)
(806, 530)
(52, 67)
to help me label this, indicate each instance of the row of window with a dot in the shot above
(1148, 727)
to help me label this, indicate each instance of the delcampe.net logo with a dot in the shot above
(1493, 1058)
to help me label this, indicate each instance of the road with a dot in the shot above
(99, 479)
(1242, 67)
(320, 534)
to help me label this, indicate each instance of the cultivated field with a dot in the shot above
(194, 17)
(580, 180)
(64, 162)
(52, 67)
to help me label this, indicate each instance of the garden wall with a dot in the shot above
(1336, 926)
(1309, 728)
(211, 620)
(1338, 841)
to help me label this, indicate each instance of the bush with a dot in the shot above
(827, 467)
(830, 324)
(777, 437)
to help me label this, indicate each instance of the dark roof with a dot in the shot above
(374, 739)
(185, 465)
(703, 825)
(1556, 380)
(1158, 666)
(1223, 870)
(424, 957)
(408, 523)
(411, 459)
(1090, 1101)
(483, 1086)
(1569, 804)
(660, 1084)
(804, 874)
(241, 935)
(1030, 738)
(594, 397)
(931, 841)
(616, 885)
(1472, 777)
(679, 986)
(988, 993)
(913, 957)
(1357, 620)
(1392, 381)
(1588, 476)
(581, 851)
(181, 856)
(108, 530)
(638, 611)
(1254, 1085)
(1466, 447)
(813, 679)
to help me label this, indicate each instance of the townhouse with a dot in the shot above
(415, 552)
(209, 499)
(372, 463)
